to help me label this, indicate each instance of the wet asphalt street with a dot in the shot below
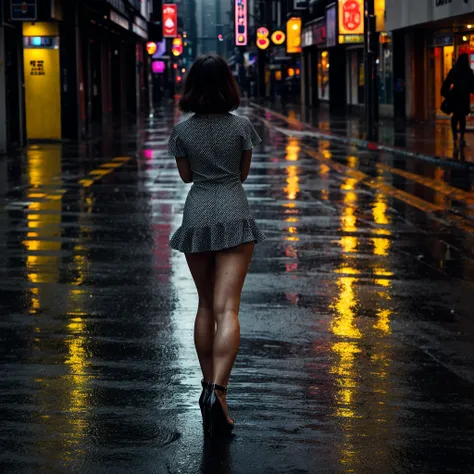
(357, 314)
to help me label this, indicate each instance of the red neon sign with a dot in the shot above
(241, 23)
(170, 20)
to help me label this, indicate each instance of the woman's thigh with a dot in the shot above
(202, 267)
(230, 272)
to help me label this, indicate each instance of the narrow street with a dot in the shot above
(357, 320)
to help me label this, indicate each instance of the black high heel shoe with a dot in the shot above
(214, 416)
(204, 394)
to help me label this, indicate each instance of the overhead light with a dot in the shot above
(464, 38)
(469, 27)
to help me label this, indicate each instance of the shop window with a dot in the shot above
(323, 75)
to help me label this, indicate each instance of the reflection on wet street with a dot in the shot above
(357, 322)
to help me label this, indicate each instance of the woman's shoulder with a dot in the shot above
(240, 121)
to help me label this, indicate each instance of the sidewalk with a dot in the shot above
(427, 141)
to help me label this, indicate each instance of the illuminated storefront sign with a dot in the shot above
(177, 47)
(351, 17)
(151, 48)
(241, 23)
(380, 15)
(262, 38)
(314, 33)
(293, 35)
(278, 37)
(170, 20)
(160, 49)
(158, 67)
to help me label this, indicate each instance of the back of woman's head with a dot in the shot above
(463, 61)
(210, 87)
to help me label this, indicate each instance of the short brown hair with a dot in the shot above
(210, 87)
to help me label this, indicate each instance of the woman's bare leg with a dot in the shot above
(230, 271)
(202, 267)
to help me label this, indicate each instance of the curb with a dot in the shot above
(374, 146)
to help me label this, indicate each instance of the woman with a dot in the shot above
(213, 149)
(457, 89)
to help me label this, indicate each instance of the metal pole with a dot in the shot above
(370, 71)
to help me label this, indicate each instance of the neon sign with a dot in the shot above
(262, 38)
(293, 35)
(278, 37)
(241, 23)
(351, 17)
(170, 20)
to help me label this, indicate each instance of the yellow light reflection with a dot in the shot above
(351, 334)
(346, 352)
(349, 244)
(293, 188)
(383, 321)
(292, 149)
(343, 324)
(349, 220)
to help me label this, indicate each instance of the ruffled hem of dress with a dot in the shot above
(217, 237)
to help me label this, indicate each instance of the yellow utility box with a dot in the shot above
(42, 81)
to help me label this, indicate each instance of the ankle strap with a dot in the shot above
(205, 384)
(214, 386)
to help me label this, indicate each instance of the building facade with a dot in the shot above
(214, 26)
(428, 35)
(71, 67)
(333, 55)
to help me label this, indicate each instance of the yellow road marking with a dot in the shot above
(375, 184)
(111, 165)
(105, 169)
(404, 196)
(439, 186)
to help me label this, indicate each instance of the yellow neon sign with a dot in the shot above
(293, 35)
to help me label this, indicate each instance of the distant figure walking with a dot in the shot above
(213, 150)
(457, 88)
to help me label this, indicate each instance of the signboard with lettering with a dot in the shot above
(351, 17)
(241, 22)
(319, 33)
(37, 68)
(314, 33)
(170, 20)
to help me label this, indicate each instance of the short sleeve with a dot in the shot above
(251, 137)
(175, 146)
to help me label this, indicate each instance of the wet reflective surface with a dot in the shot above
(357, 322)
(432, 139)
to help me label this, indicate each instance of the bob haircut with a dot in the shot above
(210, 87)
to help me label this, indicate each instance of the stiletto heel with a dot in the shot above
(202, 402)
(216, 419)
(202, 398)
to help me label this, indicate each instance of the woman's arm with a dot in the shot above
(184, 169)
(245, 164)
(447, 84)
